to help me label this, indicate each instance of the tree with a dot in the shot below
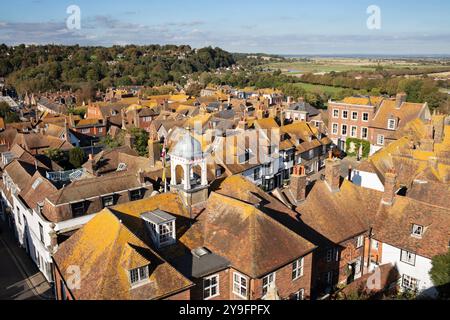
(76, 157)
(112, 143)
(440, 274)
(55, 155)
(140, 140)
(7, 114)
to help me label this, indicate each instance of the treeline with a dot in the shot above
(418, 89)
(422, 89)
(52, 67)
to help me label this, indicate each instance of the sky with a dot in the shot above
(295, 27)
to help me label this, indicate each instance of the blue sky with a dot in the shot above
(270, 26)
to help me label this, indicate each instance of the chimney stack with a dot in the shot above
(298, 184)
(333, 173)
(129, 140)
(90, 165)
(154, 152)
(390, 182)
(400, 99)
(427, 144)
(439, 128)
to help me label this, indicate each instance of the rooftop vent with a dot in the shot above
(200, 252)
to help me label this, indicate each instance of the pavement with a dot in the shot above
(20, 279)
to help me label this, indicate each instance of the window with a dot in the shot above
(211, 287)
(147, 119)
(354, 131)
(41, 232)
(391, 124)
(267, 281)
(364, 133)
(345, 114)
(85, 131)
(240, 285)
(257, 174)
(354, 115)
(108, 201)
(329, 255)
(135, 195)
(408, 257)
(335, 128)
(365, 117)
(297, 269)
(100, 130)
(335, 113)
(329, 277)
(410, 283)
(138, 275)
(299, 295)
(78, 209)
(375, 244)
(336, 254)
(344, 130)
(360, 242)
(166, 233)
(417, 231)
(380, 140)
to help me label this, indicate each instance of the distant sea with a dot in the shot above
(368, 56)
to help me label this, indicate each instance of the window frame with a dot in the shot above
(359, 242)
(362, 133)
(380, 140)
(298, 269)
(299, 295)
(342, 130)
(74, 209)
(238, 282)
(139, 276)
(271, 278)
(365, 114)
(356, 131)
(393, 126)
(410, 280)
(335, 126)
(334, 113)
(105, 202)
(414, 229)
(357, 115)
(211, 286)
(134, 191)
(345, 112)
(410, 255)
(165, 234)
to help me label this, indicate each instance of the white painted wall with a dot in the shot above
(367, 180)
(419, 271)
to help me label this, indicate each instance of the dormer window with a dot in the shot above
(108, 201)
(161, 226)
(392, 124)
(138, 275)
(417, 231)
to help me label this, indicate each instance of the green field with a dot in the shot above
(314, 87)
(321, 65)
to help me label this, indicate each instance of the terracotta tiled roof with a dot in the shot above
(248, 238)
(339, 216)
(393, 225)
(106, 249)
(406, 113)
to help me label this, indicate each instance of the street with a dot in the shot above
(19, 277)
